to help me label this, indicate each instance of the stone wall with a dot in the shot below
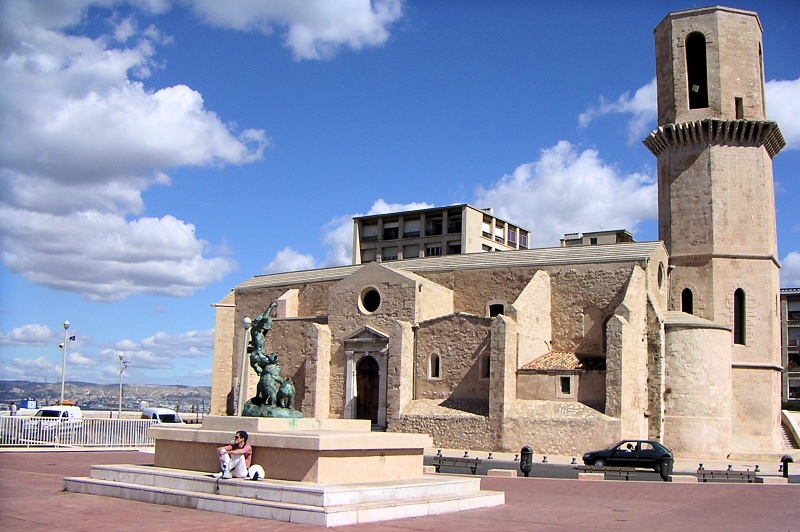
(461, 341)
(532, 312)
(224, 349)
(557, 428)
(452, 428)
(576, 288)
(697, 397)
(590, 387)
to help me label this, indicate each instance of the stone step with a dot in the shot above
(288, 491)
(786, 436)
(295, 512)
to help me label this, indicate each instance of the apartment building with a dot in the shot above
(617, 236)
(790, 343)
(452, 230)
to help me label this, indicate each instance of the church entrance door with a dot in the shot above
(368, 386)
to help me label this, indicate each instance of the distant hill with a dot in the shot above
(91, 396)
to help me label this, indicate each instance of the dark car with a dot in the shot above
(630, 453)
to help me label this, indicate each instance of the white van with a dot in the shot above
(51, 419)
(162, 415)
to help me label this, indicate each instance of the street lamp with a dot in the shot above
(247, 322)
(122, 366)
(64, 359)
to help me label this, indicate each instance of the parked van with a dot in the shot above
(162, 415)
(49, 420)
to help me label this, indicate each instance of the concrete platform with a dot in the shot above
(295, 502)
(304, 450)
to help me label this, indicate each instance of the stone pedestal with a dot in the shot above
(305, 450)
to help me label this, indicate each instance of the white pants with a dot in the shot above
(236, 465)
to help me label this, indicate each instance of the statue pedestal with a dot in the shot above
(304, 450)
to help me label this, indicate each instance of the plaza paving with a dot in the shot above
(31, 498)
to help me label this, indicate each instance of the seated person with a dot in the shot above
(234, 459)
(629, 448)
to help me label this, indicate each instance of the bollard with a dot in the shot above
(526, 460)
(667, 463)
(785, 461)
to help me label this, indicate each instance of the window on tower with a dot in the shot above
(696, 70)
(738, 317)
(687, 301)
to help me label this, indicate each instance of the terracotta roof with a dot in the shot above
(561, 360)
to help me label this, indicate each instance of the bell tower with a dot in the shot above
(716, 201)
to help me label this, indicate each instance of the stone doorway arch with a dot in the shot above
(366, 351)
(367, 389)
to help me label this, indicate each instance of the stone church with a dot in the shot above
(567, 349)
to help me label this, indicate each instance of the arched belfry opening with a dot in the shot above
(687, 301)
(697, 70)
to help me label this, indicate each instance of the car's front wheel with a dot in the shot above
(657, 466)
(599, 463)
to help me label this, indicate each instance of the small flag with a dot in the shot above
(72, 338)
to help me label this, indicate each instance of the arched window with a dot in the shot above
(739, 311)
(696, 70)
(687, 301)
(434, 367)
(496, 309)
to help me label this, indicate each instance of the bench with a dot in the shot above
(728, 474)
(621, 471)
(472, 463)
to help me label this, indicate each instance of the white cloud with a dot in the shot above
(290, 260)
(315, 29)
(29, 369)
(83, 140)
(77, 359)
(568, 191)
(29, 336)
(790, 270)
(161, 350)
(642, 107)
(783, 106)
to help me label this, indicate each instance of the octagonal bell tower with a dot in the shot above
(717, 206)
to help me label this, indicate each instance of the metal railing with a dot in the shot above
(22, 431)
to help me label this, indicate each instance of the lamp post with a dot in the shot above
(64, 359)
(247, 322)
(122, 366)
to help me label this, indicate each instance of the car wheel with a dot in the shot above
(657, 466)
(599, 462)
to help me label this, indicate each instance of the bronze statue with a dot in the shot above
(274, 394)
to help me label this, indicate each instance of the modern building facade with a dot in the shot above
(567, 348)
(595, 238)
(452, 230)
(790, 343)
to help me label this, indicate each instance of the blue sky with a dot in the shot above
(157, 153)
